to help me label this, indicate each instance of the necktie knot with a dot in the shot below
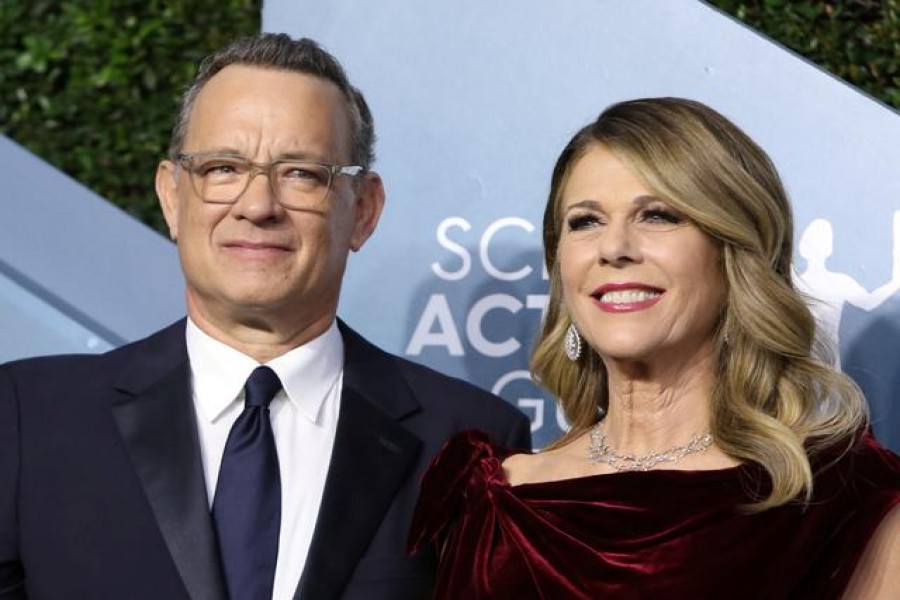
(261, 387)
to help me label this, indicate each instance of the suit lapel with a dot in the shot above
(157, 423)
(371, 458)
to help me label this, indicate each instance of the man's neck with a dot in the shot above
(262, 337)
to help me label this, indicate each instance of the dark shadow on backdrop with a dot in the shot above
(871, 356)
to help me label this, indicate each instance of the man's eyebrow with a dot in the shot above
(300, 155)
(230, 152)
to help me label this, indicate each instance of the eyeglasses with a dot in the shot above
(298, 184)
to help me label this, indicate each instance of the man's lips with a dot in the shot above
(249, 248)
(626, 297)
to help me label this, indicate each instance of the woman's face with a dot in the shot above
(641, 282)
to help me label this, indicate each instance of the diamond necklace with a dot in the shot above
(600, 452)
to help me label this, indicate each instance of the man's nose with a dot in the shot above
(259, 201)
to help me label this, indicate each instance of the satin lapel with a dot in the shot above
(371, 458)
(157, 424)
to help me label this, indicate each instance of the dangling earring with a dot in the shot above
(572, 344)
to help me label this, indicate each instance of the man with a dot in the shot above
(152, 471)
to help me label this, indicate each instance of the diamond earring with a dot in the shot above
(572, 344)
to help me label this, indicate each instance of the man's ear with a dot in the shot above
(369, 204)
(167, 193)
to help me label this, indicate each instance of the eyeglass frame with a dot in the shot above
(255, 168)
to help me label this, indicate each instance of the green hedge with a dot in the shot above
(92, 86)
(857, 40)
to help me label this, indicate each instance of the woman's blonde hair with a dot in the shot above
(774, 403)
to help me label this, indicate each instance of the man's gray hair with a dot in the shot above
(279, 51)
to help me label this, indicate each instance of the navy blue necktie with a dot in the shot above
(247, 505)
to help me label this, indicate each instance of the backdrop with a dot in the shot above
(474, 100)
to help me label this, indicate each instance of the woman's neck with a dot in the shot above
(654, 409)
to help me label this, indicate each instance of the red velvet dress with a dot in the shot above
(656, 534)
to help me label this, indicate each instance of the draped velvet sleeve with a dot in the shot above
(463, 466)
(655, 534)
(464, 508)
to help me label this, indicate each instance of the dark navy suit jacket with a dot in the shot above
(102, 494)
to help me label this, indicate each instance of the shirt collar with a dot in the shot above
(307, 372)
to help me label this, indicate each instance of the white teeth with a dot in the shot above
(628, 296)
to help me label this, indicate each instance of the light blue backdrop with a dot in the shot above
(76, 273)
(474, 100)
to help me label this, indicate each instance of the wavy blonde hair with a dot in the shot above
(776, 400)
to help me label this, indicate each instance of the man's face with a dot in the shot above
(254, 263)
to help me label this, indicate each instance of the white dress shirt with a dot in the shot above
(304, 420)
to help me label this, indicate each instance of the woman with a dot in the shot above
(710, 454)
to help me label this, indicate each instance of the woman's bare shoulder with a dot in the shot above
(877, 575)
(564, 462)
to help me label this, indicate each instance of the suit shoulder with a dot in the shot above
(57, 364)
(428, 382)
(465, 406)
(423, 375)
(438, 391)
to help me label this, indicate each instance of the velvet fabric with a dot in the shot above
(655, 534)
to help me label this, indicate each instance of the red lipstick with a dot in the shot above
(626, 297)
